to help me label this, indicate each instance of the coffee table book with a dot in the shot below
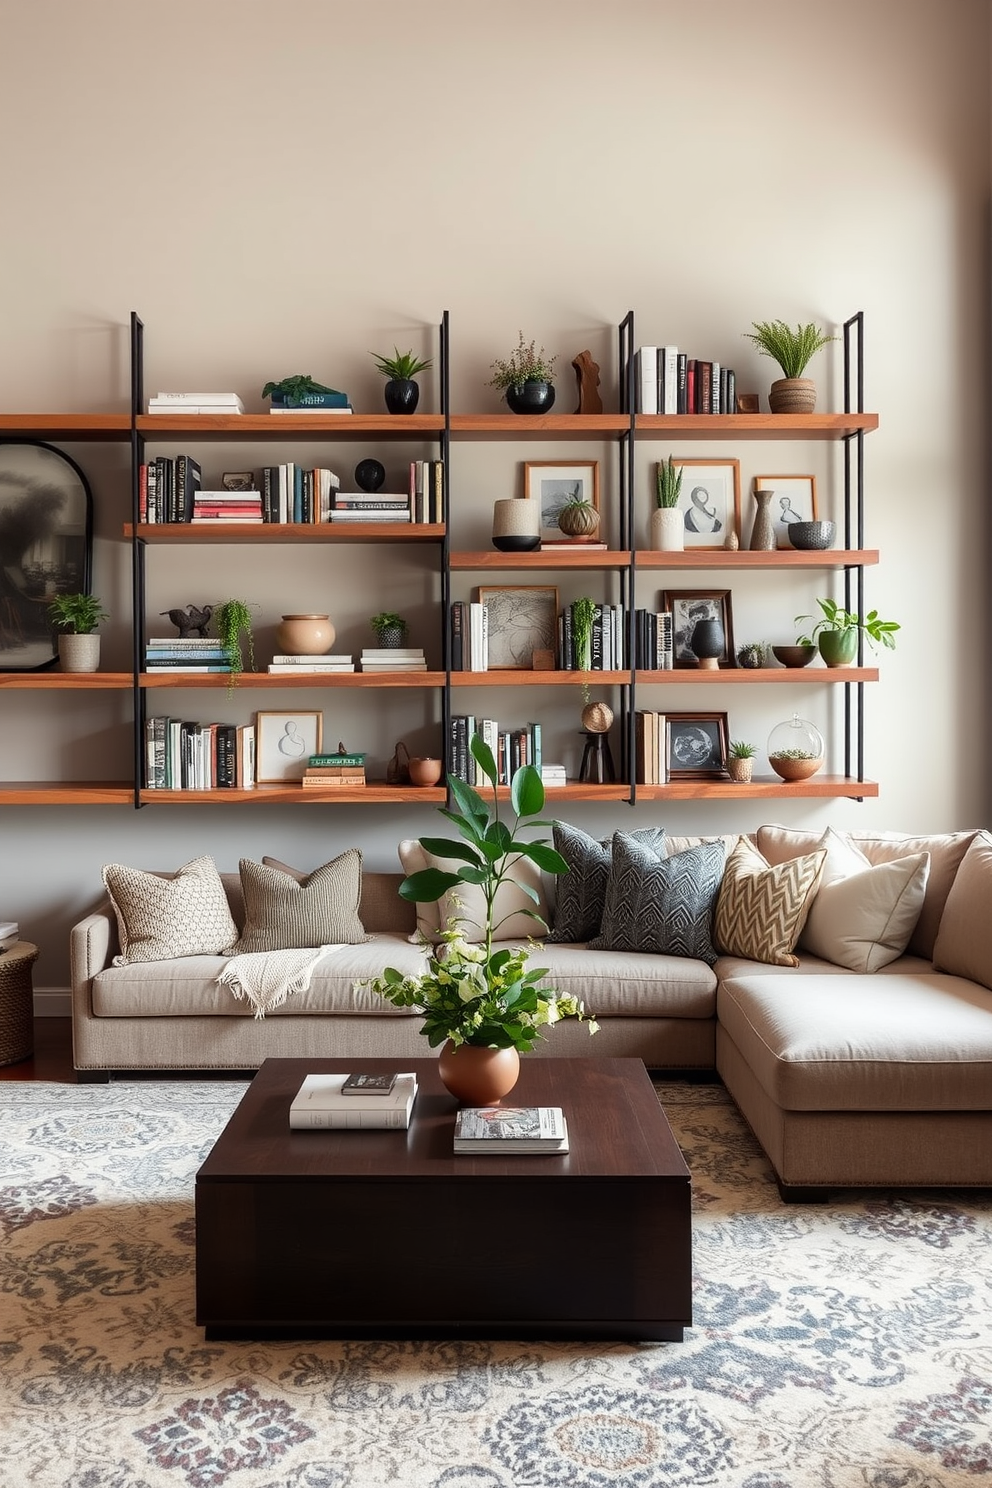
(509, 1129)
(320, 1103)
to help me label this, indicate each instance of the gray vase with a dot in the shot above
(763, 538)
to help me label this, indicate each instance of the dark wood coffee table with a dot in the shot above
(388, 1234)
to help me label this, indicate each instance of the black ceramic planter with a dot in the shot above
(402, 395)
(530, 397)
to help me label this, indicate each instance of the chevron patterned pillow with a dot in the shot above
(581, 892)
(663, 906)
(761, 910)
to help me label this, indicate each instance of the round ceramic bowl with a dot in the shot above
(812, 535)
(794, 656)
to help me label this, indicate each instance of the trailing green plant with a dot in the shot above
(386, 621)
(473, 994)
(583, 618)
(740, 749)
(793, 349)
(401, 367)
(76, 614)
(293, 389)
(669, 484)
(233, 619)
(526, 364)
(836, 618)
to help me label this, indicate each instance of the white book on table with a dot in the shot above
(319, 1103)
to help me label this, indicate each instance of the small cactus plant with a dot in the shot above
(752, 655)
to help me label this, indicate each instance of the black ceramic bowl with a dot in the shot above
(810, 536)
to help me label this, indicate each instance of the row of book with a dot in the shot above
(606, 652)
(669, 381)
(183, 755)
(511, 748)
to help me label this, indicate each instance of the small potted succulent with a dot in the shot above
(390, 629)
(667, 522)
(793, 349)
(76, 617)
(401, 393)
(836, 632)
(578, 518)
(740, 761)
(525, 378)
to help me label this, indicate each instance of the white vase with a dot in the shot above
(667, 530)
(79, 653)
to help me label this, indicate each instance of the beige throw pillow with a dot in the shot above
(964, 940)
(161, 917)
(286, 910)
(862, 916)
(511, 901)
(761, 909)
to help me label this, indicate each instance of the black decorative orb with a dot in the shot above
(370, 475)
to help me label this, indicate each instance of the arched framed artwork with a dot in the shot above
(46, 547)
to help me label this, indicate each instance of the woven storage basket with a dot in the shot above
(17, 1003)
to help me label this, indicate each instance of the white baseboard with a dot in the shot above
(52, 1002)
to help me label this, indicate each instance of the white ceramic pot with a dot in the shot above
(667, 530)
(79, 653)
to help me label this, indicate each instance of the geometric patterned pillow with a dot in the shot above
(581, 891)
(663, 906)
(285, 910)
(159, 919)
(761, 910)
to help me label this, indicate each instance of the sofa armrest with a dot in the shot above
(92, 944)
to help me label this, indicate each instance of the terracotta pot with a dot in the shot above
(478, 1077)
(792, 395)
(424, 770)
(304, 635)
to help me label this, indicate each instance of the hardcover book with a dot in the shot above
(517, 1129)
(320, 1103)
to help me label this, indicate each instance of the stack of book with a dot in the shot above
(669, 381)
(227, 506)
(469, 636)
(608, 642)
(287, 663)
(332, 402)
(370, 506)
(583, 544)
(654, 640)
(427, 490)
(332, 1101)
(182, 755)
(553, 776)
(334, 772)
(9, 934)
(183, 403)
(393, 659)
(499, 1130)
(292, 493)
(192, 654)
(650, 748)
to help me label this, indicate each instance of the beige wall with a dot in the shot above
(284, 188)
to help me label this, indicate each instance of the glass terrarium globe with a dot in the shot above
(795, 748)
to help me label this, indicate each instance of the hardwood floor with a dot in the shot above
(52, 1058)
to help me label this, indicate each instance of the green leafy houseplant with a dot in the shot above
(402, 366)
(526, 364)
(793, 349)
(293, 389)
(386, 623)
(473, 994)
(233, 617)
(76, 614)
(740, 749)
(834, 618)
(583, 618)
(669, 486)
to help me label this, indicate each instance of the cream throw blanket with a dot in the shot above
(267, 978)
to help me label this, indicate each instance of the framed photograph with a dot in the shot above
(553, 486)
(794, 501)
(710, 501)
(284, 743)
(696, 745)
(688, 607)
(46, 545)
(523, 618)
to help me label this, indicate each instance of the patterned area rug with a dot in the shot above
(847, 1346)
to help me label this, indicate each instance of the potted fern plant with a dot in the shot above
(401, 393)
(76, 617)
(390, 630)
(667, 522)
(793, 349)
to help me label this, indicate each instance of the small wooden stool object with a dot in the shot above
(17, 1002)
(597, 761)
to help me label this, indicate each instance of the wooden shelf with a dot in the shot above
(744, 559)
(415, 426)
(752, 426)
(765, 788)
(199, 533)
(701, 677)
(66, 681)
(566, 558)
(538, 679)
(302, 678)
(66, 793)
(575, 790)
(296, 795)
(512, 426)
(106, 427)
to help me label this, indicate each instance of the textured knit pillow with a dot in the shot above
(160, 918)
(521, 892)
(661, 905)
(761, 910)
(863, 916)
(284, 910)
(581, 892)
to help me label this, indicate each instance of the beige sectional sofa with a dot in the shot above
(880, 1078)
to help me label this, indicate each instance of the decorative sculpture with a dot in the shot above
(587, 375)
(190, 621)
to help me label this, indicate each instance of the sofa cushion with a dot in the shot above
(580, 893)
(164, 916)
(285, 908)
(761, 908)
(467, 903)
(863, 1043)
(862, 916)
(628, 984)
(945, 850)
(964, 940)
(661, 905)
